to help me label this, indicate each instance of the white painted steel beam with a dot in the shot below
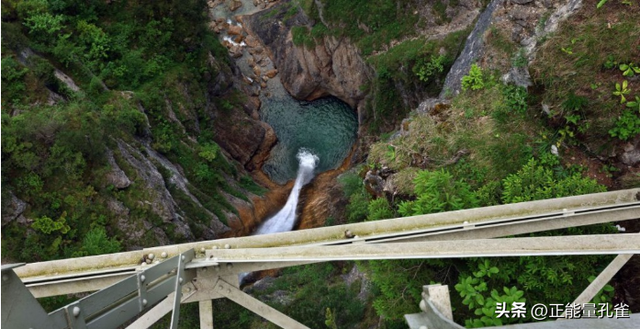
(205, 309)
(97, 272)
(605, 244)
(258, 307)
(126, 260)
(602, 279)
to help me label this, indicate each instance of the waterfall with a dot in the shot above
(285, 219)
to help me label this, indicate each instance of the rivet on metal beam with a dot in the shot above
(151, 256)
(76, 311)
(202, 249)
(183, 257)
(227, 246)
(180, 280)
(215, 247)
(163, 255)
(142, 278)
(144, 302)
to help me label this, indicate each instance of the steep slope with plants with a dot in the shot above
(113, 114)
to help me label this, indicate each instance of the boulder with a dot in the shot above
(234, 30)
(271, 73)
(12, 208)
(234, 5)
(631, 154)
(374, 184)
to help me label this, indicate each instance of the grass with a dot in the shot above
(372, 24)
(497, 147)
(572, 61)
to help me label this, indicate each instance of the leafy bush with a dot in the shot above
(474, 289)
(473, 80)
(351, 183)
(96, 242)
(13, 86)
(515, 98)
(627, 126)
(358, 208)
(209, 151)
(379, 209)
(535, 182)
(426, 70)
(438, 191)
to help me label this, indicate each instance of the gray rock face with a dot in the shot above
(332, 67)
(374, 184)
(473, 50)
(631, 154)
(159, 200)
(12, 208)
(116, 176)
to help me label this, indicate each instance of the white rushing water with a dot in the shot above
(285, 219)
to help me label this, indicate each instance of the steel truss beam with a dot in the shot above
(96, 272)
(605, 244)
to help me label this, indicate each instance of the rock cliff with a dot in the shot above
(332, 67)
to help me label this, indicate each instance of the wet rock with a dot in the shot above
(251, 41)
(257, 71)
(234, 5)
(236, 51)
(271, 73)
(234, 30)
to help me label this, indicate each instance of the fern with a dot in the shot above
(474, 79)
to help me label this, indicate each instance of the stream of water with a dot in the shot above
(285, 219)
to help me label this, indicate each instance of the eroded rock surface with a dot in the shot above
(332, 67)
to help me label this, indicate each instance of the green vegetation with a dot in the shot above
(484, 282)
(137, 66)
(426, 70)
(372, 24)
(603, 57)
(473, 80)
(413, 66)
